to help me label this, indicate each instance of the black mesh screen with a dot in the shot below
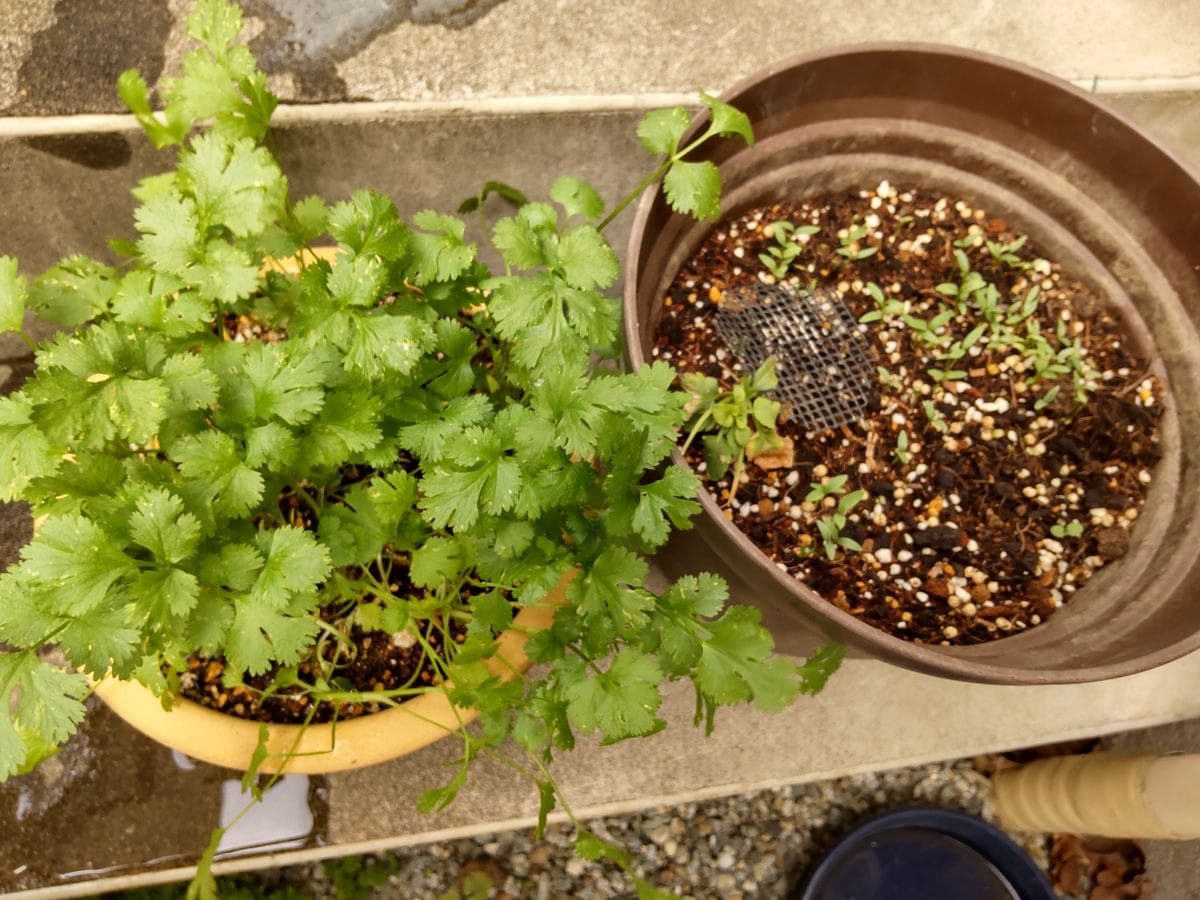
(826, 372)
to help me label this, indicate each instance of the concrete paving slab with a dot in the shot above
(67, 191)
(63, 55)
(870, 717)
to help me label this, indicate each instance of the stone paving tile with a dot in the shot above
(63, 55)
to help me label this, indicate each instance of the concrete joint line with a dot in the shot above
(369, 110)
(385, 110)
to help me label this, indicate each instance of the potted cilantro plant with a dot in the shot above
(286, 488)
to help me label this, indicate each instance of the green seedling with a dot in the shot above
(885, 306)
(788, 245)
(901, 452)
(851, 247)
(743, 420)
(934, 416)
(1074, 528)
(830, 526)
(1006, 254)
(888, 380)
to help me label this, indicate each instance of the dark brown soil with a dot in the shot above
(956, 530)
(378, 662)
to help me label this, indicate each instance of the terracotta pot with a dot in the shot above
(1107, 201)
(226, 740)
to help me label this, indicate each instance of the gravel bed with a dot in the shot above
(755, 845)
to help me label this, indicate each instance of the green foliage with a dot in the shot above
(976, 307)
(742, 420)
(788, 245)
(234, 460)
(692, 188)
(830, 527)
(852, 248)
(1060, 530)
(247, 463)
(358, 877)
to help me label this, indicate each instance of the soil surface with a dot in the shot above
(368, 661)
(993, 485)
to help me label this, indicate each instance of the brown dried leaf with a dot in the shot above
(782, 458)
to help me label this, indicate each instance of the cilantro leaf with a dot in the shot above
(427, 437)
(586, 259)
(74, 564)
(265, 381)
(694, 188)
(441, 254)
(355, 281)
(492, 612)
(211, 462)
(679, 613)
(620, 703)
(272, 446)
(735, 663)
(310, 217)
(660, 130)
(135, 94)
(369, 225)
(223, 272)
(170, 229)
(262, 635)
(12, 295)
(162, 593)
(610, 591)
(382, 343)
(160, 524)
(577, 197)
(103, 639)
(816, 670)
(521, 243)
(293, 563)
(189, 383)
(550, 323)
(235, 566)
(215, 23)
(234, 183)
(695, 596)
(727, 120)
(670, 499)
(580, 407)
(72, 292)
(482, 476)
(48, 704)
(348, 425)
(25, 452)
(438, 560)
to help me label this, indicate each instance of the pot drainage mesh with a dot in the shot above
(825, 368)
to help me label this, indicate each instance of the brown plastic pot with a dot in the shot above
(1109, 202)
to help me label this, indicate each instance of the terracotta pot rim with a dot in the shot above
(226, 740)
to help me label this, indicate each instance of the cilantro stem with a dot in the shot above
(637, 191)
(700, 423)
(29, 341)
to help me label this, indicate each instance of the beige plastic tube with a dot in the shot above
(1120, 795)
